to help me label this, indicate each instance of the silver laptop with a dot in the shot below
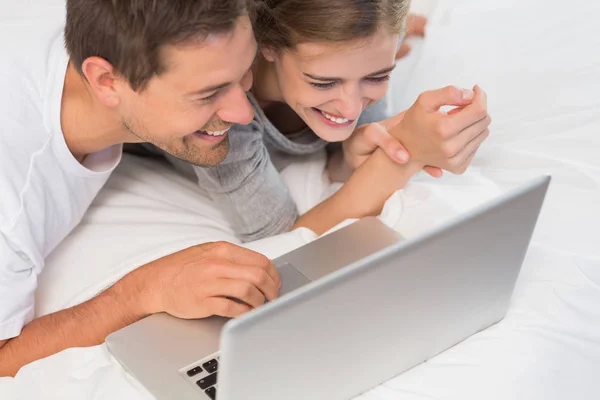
(358, 307)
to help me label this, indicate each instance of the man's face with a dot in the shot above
(187, 110)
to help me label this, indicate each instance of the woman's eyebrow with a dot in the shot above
(330, 79)
(321, 78)
(383, 71)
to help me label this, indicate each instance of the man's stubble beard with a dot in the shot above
(208, 158)
(187, 152)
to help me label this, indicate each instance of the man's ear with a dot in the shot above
(269, 53)
(102, 78)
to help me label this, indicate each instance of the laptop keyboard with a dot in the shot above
(205, 376)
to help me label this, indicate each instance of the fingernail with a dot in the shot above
(402, 156)
(468, 94)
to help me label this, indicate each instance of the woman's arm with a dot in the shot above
(434, 138)
(364, 194)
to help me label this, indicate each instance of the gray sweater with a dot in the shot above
(247, 185)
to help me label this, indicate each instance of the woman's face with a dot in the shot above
(329, 84)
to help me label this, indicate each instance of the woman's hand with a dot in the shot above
(369, 137)
(448, 140)
(437, 139)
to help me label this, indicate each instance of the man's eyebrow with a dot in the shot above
(330, 79)
(208, 89)
(214, 88)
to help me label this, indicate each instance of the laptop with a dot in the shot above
(357, 307)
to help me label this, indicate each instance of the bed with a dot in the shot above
(536, 60)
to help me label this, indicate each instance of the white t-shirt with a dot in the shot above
(44, 191)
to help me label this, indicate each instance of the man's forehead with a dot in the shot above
(214, 49)
(216, 59)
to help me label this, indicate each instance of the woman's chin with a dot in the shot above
(332, 135)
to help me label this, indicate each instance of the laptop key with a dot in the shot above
(211, 366)
(194, 371)
(207, 382)
(211, 392)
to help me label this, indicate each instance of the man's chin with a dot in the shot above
(204, 156)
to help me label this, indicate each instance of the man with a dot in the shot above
(170, 73)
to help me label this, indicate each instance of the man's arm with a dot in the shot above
(194, 283)
(84, 325)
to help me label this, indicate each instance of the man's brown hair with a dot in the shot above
(129, 34)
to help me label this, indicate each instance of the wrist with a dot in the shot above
(136, 291)
(338, 168)
(373, 183)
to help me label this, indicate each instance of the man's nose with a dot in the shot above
(236, 108)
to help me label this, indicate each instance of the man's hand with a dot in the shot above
(446, 140)
(415, 26)
(211, 279)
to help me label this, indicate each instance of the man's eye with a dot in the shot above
(323, 85)
(206, 100)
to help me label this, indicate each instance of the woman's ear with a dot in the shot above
(269, 53)
(102, 79)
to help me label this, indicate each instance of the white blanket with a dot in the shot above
(536, 60)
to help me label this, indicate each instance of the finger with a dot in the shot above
(379, 137)
(432, 100)
(237, 289)
(466, 164)
(273, 273)
(460, 141)
(469, 160)
(471, 148)
(415, 25)
(435, 172)
(265, 280)
(268, 284)
(236, 254)
(224, 307)
(403, 50)
(455, 110)
(375, 136)
(474, 112)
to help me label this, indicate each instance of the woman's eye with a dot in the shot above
(378, 79)
(323, 85)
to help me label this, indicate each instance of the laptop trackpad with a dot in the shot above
(291, 278)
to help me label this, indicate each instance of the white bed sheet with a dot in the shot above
(538, 61)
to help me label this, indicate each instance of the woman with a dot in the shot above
(322, 68)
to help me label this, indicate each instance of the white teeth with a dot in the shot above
(334, 119)
(217, 133)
